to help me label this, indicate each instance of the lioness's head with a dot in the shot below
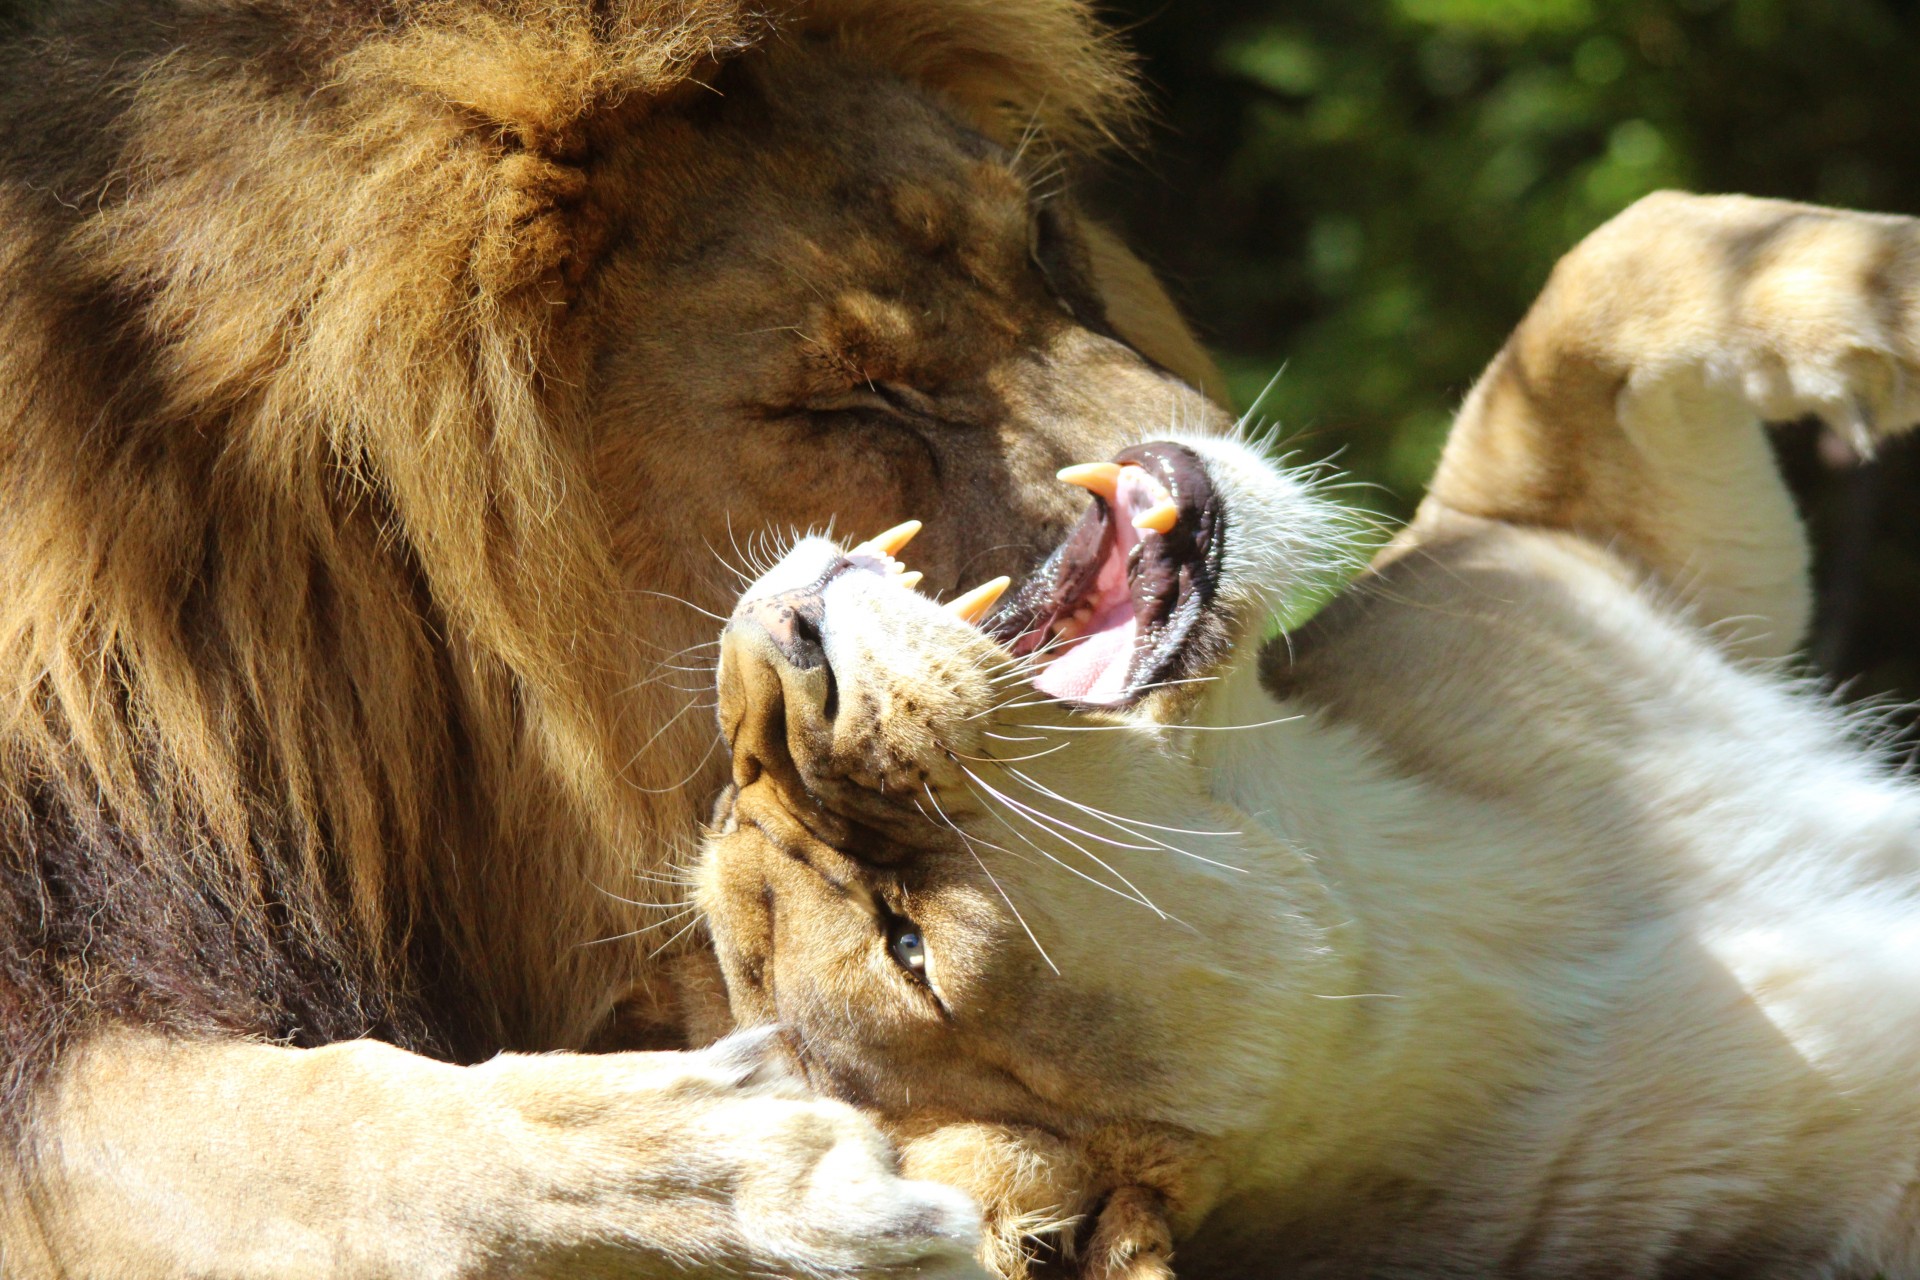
(953, 844)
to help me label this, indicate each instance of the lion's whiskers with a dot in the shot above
(1050, 819)
(689, 927)
(1114, 817)
(697, 770)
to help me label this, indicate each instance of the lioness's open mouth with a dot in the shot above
(1111, 613)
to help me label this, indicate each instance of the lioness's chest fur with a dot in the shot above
(1637, 926)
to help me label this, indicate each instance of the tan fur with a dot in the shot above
(1511, 918)
(386, 389)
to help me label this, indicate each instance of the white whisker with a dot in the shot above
(1049, 855)
(686, 929)
(645, 928)
(1123, 824)
(1230, 728)
(667, 595)
(1132, 822)
(1004, 760)
(1051, 820)
(991, 878)
(1053, 826)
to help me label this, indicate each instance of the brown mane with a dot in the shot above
(320, 716)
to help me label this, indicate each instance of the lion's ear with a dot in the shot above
(532, 83)
(1139, 308)
(1009, 66)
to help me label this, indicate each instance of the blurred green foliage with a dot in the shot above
(1370, 192)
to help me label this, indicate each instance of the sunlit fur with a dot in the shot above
(386, 388)
(1510, 919)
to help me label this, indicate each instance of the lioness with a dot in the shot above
(1518, 916)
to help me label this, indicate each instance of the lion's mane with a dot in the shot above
(319, 715)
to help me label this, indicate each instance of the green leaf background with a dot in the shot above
(1368, 193)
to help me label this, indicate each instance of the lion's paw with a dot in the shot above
(720, 1155)
(820, 1187)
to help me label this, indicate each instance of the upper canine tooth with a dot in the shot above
(1160, 517)
(1102, 478)
(973, 606)
(890, 542)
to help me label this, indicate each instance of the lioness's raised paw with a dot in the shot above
(1628, 406)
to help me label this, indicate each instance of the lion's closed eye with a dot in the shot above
(880, 405)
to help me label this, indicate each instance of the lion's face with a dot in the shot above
(950, 851)
(890, 316)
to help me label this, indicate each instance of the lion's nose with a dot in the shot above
(792, 621)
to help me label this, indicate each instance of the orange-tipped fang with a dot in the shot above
(973, 606)
(890, 542)
(1160, 517)
(909, 579)
(1102, 478)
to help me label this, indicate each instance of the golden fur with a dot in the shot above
(385, 387)
(1515, 917)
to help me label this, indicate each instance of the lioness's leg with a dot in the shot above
(167, 1158)
(1629, 404)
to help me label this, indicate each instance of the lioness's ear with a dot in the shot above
(1131, 1238)
(1028, 1184)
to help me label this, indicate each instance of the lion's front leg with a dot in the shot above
(1629, 405)
(160, 1158)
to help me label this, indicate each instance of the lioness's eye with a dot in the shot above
(909, 948)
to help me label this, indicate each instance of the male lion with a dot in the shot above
(1514, 918)
(383, 380)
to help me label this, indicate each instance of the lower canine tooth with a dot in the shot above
(1160, 517)
(973, 606)
(909, 580)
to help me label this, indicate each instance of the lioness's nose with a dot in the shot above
(792, 621)
(774, 679)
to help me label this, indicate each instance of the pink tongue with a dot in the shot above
(1094, 667)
